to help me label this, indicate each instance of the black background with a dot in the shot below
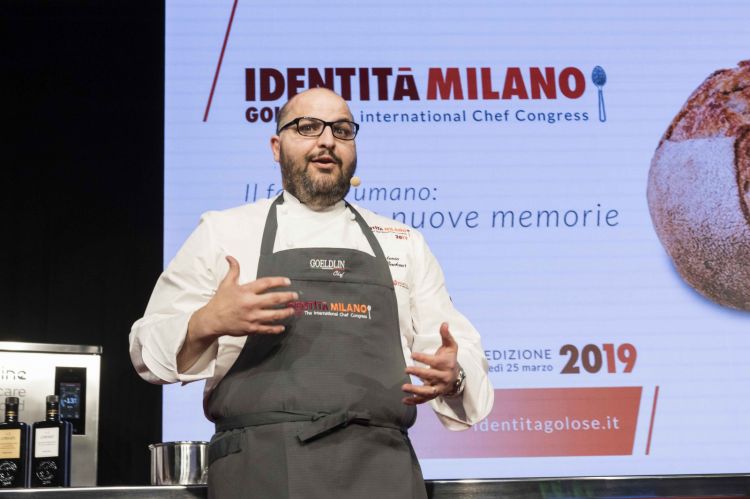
(82, 188)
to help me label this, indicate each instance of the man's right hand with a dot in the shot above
(237, 310)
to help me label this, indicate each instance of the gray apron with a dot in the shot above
(316, 411)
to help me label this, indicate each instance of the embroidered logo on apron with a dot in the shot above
(332, 309)
(338, 266)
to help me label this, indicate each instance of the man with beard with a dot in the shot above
(306, 315)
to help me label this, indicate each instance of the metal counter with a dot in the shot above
(688, 486)
(30, 371)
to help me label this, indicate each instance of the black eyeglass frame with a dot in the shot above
(295, 122)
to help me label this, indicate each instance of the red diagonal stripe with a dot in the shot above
(651, 425)
(221, 58)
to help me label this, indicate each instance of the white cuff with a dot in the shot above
(474, 404)
(157, 343)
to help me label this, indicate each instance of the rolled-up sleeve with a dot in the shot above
(430, 306)
(187, 284)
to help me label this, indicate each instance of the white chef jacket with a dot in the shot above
(194, 274)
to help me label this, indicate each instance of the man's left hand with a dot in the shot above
(440, 375)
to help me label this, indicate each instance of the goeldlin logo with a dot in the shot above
(562, 88)
(337, 266)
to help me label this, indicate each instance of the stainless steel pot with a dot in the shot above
(179, 463)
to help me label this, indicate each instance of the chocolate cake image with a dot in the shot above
(699, 188)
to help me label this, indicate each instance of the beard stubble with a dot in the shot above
(320, 193)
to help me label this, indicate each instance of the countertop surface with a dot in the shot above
(688, 486)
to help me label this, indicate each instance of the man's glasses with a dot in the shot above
(313, 127)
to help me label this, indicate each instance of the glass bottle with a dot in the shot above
(14, 448)
(50, 460)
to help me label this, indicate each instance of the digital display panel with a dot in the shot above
(70, 400)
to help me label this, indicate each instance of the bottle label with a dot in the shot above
(46, 442)
(10, 444)
(8, 473)
(46, 471)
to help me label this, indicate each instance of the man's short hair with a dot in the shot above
(282, 113)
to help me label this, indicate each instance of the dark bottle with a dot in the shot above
(14, 448)
(50, 459)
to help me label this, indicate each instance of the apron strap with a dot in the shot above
(374, 244)
(269, 231)
(272, 225)
(320, 423)
(332, 422)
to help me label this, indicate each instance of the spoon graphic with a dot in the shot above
(599, 77)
